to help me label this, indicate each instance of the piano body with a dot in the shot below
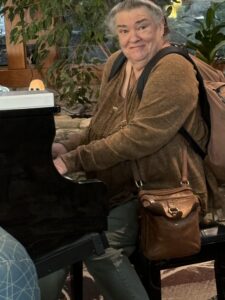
(38, 206)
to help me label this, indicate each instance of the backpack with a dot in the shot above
(212, 103)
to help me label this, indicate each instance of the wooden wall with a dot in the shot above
(18, 73)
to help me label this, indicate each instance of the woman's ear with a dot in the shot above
(166, 27)
(162, 29)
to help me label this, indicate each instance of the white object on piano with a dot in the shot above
(26, 99)
(4, 89)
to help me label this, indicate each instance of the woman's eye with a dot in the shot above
(123, 31)
(142, 27)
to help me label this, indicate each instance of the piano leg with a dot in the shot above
(76, 281)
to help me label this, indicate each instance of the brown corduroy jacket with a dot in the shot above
(146, 130)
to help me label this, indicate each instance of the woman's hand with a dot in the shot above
(60, 166)
(58, 149)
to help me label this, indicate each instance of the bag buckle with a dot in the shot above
(139, 183)
(186, 182)
(173, 211)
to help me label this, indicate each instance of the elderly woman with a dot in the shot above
(125, 129)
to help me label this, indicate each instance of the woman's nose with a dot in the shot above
(134, 36)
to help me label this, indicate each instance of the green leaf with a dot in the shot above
(210, 17)
(11, 14)
(33, 10)
(215, 50)
(51, 39)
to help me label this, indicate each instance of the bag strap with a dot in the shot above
(184, 172)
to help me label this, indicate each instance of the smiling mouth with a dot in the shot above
(136, 47)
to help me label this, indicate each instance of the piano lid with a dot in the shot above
(26, 99)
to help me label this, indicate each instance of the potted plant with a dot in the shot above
(209, 39)
(75, 30)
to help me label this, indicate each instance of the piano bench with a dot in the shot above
(72, 255)
(213, 248)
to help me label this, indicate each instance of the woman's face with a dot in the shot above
(139, 36)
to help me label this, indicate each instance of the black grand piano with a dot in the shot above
(46, 212)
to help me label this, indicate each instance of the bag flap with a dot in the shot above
(172, 203)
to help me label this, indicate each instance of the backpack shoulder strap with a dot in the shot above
(120, 60)
(159, 55)
(148, 68)
(117, 65)
(202, 91)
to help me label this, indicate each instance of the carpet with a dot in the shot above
(193, 282)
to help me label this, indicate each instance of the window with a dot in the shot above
(3, 53)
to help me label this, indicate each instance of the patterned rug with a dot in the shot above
(195, 282)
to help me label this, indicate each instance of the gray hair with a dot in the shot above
(155, 11)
